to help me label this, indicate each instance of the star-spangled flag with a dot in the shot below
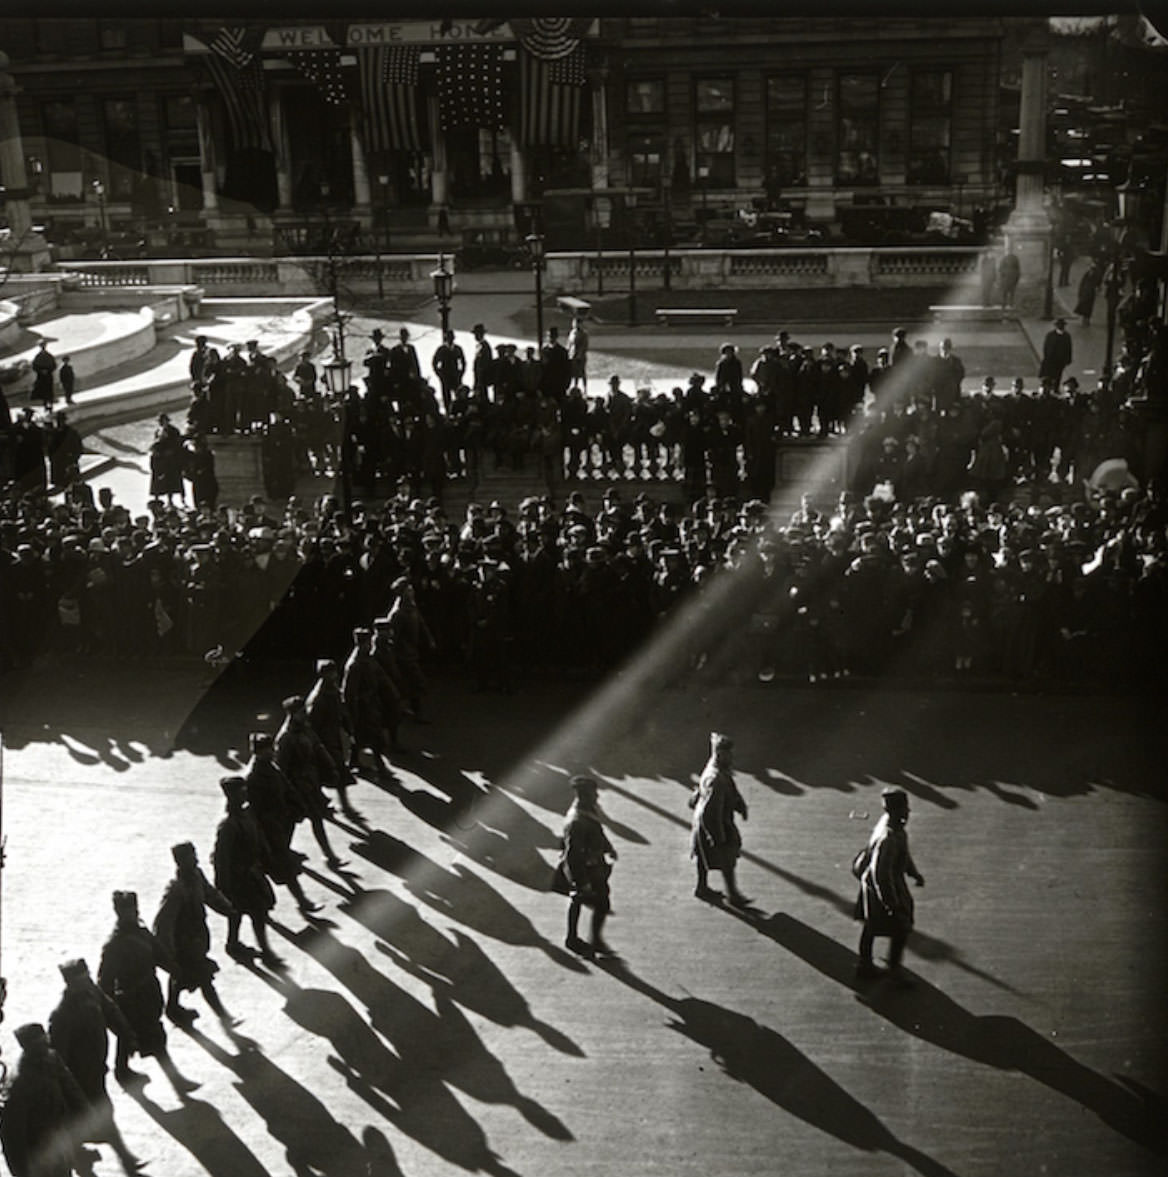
(470, 86)
(569, 70)
(245, 99)
(322, 67)
(550, 37)
(390, 108)
(402, 64)
(549, 114)
(232, 44)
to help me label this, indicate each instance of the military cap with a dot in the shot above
(720, 742)
(361, 632)
(323, 664)
(583, 784)
(260, 741)
(234, 788)
(73, 968)
(125, 900)
(29, 1034)
(894, 800)
(183, 852)
(401, 584)
(381, 624)
(292, 704)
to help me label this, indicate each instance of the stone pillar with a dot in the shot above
(207, 157)
(28, 251)
(518, 173)
(439, 172)
(1028, 230)
(280, 151)
(362, 194)
(598, 154)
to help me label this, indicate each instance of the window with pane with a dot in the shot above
(62, 149)
(122, 145)
(786, 131)
(645, 96)
(930, 126)
(646, 159)
(714, 131)
(858, 129)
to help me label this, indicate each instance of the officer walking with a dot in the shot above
(585, 867)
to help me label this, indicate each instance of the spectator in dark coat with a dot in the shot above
(1056, 355)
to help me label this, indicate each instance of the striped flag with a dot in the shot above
(322, 67)
(569, 70)
(549, 114)
(470, 86)
(242, 90)
(390, 105)
(233, 45)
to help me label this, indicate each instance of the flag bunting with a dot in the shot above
(390, 106)
(242, 90)
(322, 67)
(549, 114)
(550, 37)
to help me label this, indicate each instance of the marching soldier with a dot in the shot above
(181, 927)
(306, 764)
(238, 859)
(329, 719)
(584, 868)
(715, 841)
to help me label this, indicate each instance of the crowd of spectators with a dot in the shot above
(1057, 586)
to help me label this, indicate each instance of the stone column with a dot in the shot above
(1028, 230)
(280, 151)
(598, 154)
(28, 251)
(362, 194)
(439, 172)
(207, 170)
(518, 172)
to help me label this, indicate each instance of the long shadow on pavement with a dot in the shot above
(442, 1042)
(1006, 1043)
(459, 894)
(762, 1058)
(458, 970)
(199, 1128)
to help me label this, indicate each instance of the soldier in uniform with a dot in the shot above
(127, 973)
(271, 799)
(306, 765)
(38, 1125)
(238, 860)
(409, 632)
(715, 842)
(367, 692)
(376, 363)
(585, 867)
(885, 903)
(329, 719)
(79, 1029)
(181, 927)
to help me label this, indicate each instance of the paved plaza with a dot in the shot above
(430, 1023)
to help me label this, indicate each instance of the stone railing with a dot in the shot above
(246, 276)
(775, 268)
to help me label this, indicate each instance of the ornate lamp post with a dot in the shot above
(337, 374)
(99, 191)
(443, 281)
(631, 204)
(1114, 279)
(535, 246)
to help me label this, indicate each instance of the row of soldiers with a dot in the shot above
(58, 1098)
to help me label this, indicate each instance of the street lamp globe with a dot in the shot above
(336, 374)
(443, 280)
(535, 247)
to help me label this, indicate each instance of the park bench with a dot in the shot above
(727, 315)
(574, 306)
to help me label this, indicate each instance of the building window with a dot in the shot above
(786, 132)
(111, 36)
(645, 96)
(858, 129)
(122, 146)
(714, 130)
(62, 150)
(646, 159)
(930, 122)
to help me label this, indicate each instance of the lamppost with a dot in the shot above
(337, 376)
(1114, 277)
(443, 281)
(704, 181)
(99, 191)
(535, 248)
(667, 216)
(631, 217)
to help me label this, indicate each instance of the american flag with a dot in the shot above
(244, 96)
(470, 86)
(569, 70)
(322, 67)
(402, 64)
(549, 114)
(233, 45)
(390, 107)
